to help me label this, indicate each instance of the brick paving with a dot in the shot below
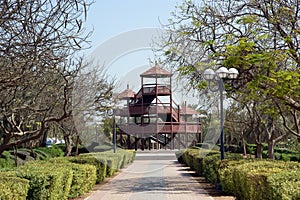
(156, 175)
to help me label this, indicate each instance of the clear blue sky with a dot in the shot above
(112, 17)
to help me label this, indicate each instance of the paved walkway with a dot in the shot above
(154, 175)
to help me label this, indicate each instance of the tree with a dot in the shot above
(39, 42)
(259, 38)
(91, 93)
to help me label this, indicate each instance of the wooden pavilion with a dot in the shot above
(151, 118)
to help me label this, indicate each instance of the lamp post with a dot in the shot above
(112, 112)
(218, 76)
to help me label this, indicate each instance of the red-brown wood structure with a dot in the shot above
(151, 118)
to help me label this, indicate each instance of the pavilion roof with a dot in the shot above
(126, 94)
(156, 72)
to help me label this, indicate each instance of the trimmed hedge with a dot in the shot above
(226, 174)
(115, 161)
(84, 179)
(285, 185)
(100, 164)
(193, 158)
(211, 165)
(47, 181)
(13, 188)
(249, 179)
(61, 177)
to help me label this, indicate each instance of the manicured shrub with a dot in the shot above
(211, 165)
(46, 181)
(99, 163)
(115, 161)
(12, 187)
(210, 168)
(126, 158)
(251, 179)
(284, 185)
(84, 175)
(84, 179)
(193, 157)
(226, 170)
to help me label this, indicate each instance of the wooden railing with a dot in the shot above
(167, 128)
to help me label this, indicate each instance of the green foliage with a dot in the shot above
(285, 185)
(115, 161)
(51, 152)
(13, 188)
(250, 179)
(100, 164)
(62, 177)
(6, 161)
(211, 165)
(84, 178)
(46, 180)
(193, 157)
(226, 174)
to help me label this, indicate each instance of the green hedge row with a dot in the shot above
(61, 177)
(193, 158)
(12, 187)
(257, 179)
(248, 178)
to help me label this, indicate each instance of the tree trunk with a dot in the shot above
(271, 144)
(259, 150)
(44, 139)
(244, 145)
(77, 144)
(69, 145)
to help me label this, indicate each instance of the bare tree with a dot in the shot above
(40, 40)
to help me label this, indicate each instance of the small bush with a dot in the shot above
(99, 163)
(285, 185)
(84, 179)
(46, 181)
(12, 187)
(226, 170)
(211, 166)
(251, 179)
(114, 160)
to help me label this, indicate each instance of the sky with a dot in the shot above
(112, 17)
(124, 31)
(123, 34)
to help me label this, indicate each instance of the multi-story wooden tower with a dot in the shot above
(151, 118)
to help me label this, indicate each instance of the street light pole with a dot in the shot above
(219, 75)
(112, 112)
(115, 132)
(222, 149)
